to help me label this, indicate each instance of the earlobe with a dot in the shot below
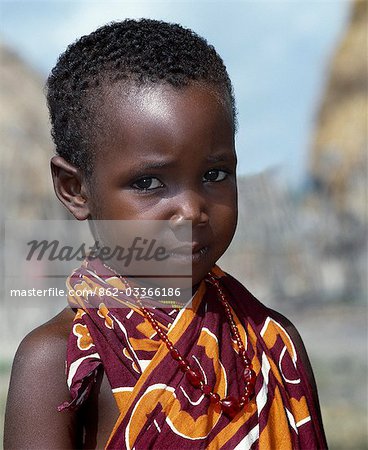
(69, 187)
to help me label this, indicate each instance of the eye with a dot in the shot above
(214, 175)
(147, 184)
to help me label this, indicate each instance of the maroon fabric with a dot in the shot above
(159, 408)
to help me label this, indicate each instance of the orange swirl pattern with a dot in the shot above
(158, 407)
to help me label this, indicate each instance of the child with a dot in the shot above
(143, 119)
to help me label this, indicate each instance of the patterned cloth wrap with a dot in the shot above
(159, 408)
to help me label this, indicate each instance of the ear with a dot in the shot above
(70, 187)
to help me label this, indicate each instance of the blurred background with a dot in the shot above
(299, 70)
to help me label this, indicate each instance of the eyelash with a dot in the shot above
(224, 175)
(145, 189)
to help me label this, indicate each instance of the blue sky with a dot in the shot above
(277, 54)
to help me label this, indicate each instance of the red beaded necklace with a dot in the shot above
(229, 405)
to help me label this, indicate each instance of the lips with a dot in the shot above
(190, 253)
(186, 249)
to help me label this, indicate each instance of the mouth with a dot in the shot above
(189, 253)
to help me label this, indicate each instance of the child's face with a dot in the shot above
(169, 154)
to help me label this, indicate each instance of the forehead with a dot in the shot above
(143, 119)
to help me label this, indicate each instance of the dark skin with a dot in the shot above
(165, 154)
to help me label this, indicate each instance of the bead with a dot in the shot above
(249, 375)
(183, 365)
(251, 383)
(206, 389)
(175, 354)
(249, 392)
(194, 377)
(244, 399)
(214, 398)
(230, 406)
(247, 362)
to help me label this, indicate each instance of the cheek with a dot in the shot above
(224, 220)
(226, 210)
(113, 204)
(230, 219)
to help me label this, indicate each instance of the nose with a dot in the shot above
(189, 205)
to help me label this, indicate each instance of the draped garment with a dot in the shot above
(159, 408)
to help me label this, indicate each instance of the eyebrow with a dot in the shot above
(220, 157)
(147, 165)
(169, 164)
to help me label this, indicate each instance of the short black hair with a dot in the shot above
(141, 51)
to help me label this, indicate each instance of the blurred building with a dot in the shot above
(26, 146)
(312, 247)
(339, 163)
(26, 190)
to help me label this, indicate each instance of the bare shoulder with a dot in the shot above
(37, 387)
(55, 331)
(44, 348)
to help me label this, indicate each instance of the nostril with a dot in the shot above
(179, 223)
(185, 226)
(189, 207)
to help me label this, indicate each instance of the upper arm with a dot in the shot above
(37, 387)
